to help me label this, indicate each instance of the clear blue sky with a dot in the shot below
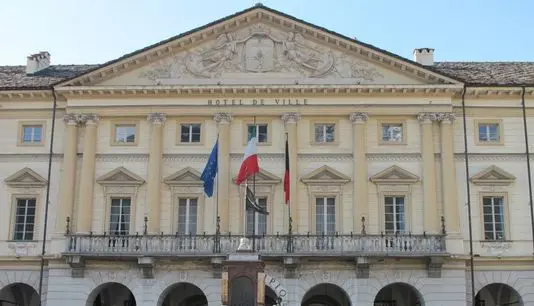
(95, 31)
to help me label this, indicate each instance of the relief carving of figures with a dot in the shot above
(261, 49)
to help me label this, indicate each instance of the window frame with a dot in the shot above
(24, 124)
(313, 122)
(260, 121)
(13, 223)
(130, 222)
(380, 127)
(176, 212)
(189, 121)
(506, 217)
(325, 209)
(258, 216)
(500, 130)
(394, 196)
(324, 133)
(117, 123)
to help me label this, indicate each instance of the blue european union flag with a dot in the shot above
(210, 171)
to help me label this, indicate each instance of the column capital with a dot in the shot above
(358, 117)
(446, 117)
(73, 119)
(91, 119)
(157, 118)
(223, 118)
(290, 117)
(427, 117)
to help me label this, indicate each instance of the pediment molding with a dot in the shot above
(394, 175)
(25, 178)
(184, 177)
(493, 175)
(120, 177)
(264, 178)
(325, 175)
(251, 16)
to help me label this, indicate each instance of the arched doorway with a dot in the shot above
(498, 294)
(183, 294)
(19, 294)
(398, 294)
(111, 294)
(271, 298)
(326, 295)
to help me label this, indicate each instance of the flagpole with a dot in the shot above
(245, 210)
(254, 194)
(217, 217)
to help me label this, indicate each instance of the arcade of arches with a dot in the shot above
(186, 294)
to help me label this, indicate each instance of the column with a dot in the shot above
(431, 213)
(68, 175)
(360, 204)
(85, 203)
(155, 157)
(223, 176)
(448, 174)
(290, 121)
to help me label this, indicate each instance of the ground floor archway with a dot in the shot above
(326, 295)
(398, 294)
(19, 294)
(498, 294)
(111, 294)
(183, 294)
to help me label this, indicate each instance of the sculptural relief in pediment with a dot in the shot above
(261, 54)
(262, 49)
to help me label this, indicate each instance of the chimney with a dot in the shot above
(424, 56)
(37, 62)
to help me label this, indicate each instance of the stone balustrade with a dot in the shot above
(405, 245)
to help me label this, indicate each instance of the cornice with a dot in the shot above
(26, 95)
(268, 90)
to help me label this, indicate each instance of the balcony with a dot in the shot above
(266, 246)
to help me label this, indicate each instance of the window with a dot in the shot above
(125, 134)
(261, 219)
(32, 134)
(187, 216)
(24, 220)
(488, 132)
(394, 214)
(325, 133)
(392, 132)
(493, 210)
(259, 131)
(190, 133)
(119, 221)
(325, 215)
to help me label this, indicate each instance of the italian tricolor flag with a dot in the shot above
(250, 165)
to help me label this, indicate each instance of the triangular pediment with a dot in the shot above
(394, 175)
(493, 175)
(259, 46)
(25, 178)
(325, 175)
(187, 176)
(120, 177)
(264, 177)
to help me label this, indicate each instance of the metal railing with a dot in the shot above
(268, 245)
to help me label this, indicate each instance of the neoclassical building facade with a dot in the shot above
(409, 179)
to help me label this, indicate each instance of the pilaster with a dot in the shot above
(223, 123)
(431, 212)
(157, 121)
(448, 174)
(360, 204)
(290, 121)
(68, 173)
(85, 208)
